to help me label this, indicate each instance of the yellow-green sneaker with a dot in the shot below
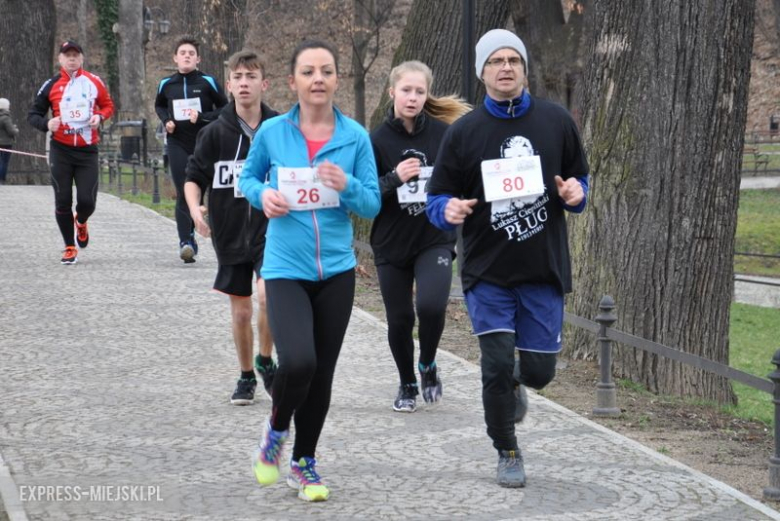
(266, 459)
(304, 477)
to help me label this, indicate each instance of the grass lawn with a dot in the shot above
(758, 231)
(754, 337)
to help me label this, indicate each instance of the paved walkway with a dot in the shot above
(759, 183)
(116, 373)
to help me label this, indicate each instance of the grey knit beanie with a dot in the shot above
(494, 40)
(4, 104)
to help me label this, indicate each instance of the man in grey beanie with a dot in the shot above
(508, 171)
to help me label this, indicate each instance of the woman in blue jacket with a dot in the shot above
(320, 167)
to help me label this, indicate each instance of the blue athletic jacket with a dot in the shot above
(311, 244)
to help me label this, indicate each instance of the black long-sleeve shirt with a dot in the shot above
(179, 86)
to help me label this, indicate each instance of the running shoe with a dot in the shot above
(265, 461)
(82, 233)
(431, 384)
(186, 252)
(521, 405)
(244, 393)
(521, 396)
(406, 400)
(267, 373)
(70, 255)
(304, 477)
(510, 472)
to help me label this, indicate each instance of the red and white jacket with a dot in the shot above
(75, 99)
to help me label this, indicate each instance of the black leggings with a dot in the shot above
(432, 270)
(308, 322)
(177, 158)
(69, 164)
(498, 397)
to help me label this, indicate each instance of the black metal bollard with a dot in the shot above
(111, 171)
(135, 162)
(119, 185)
(103, 164)
(772, 493)
(606, 398)
(156, 178)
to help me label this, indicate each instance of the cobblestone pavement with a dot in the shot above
(116, 373)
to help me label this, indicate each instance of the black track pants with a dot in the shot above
(177, 159)
(432, 270)
(498, 384)
(69, 165)
(308, 322)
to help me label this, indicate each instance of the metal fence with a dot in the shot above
(761, 153)
(606, 396)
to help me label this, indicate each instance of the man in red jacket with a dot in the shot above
(79, 103)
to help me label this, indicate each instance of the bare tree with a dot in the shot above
(368, 20)
(27, 31)
(664, 111)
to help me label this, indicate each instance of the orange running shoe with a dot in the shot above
(69, 256)
(82, 233)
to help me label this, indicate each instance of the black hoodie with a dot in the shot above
(402, 231)
(237, 229)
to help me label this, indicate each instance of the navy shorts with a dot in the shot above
(534, 312)
(237, 279)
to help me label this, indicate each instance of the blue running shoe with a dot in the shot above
(510, 472)
(305, 479)
(265, 461)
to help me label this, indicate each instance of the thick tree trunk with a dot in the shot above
(664, 110)
(27, 31)
(552, 33)
(131, 59)
(433, 35)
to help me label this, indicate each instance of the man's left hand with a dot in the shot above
(569, 190)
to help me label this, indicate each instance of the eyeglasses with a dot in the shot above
(513, 61)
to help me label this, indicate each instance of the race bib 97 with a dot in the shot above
(413, 191)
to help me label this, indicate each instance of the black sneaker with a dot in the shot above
(521, 396)
(511, 472)
(267, 373)
(431, 384)
(406, 401)
(244, 393)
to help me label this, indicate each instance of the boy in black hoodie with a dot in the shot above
(237, 230)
